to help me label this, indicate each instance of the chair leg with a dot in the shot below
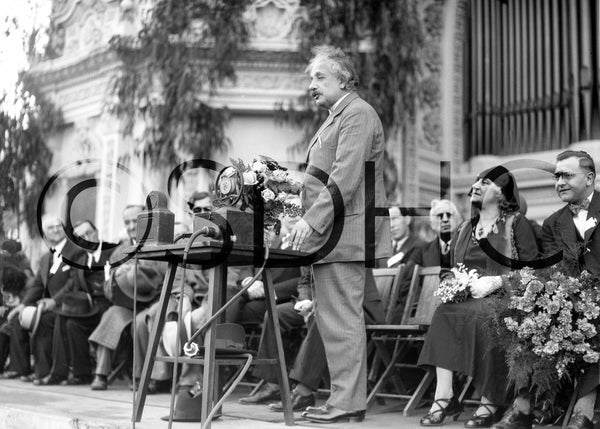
(415, 399)
(464, 390)
(389, 368)
(113, 374)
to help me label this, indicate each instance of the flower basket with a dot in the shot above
(547, 323)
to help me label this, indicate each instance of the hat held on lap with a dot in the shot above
(30, 318)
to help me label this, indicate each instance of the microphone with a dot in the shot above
(210, 232)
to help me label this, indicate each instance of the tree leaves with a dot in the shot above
(183, 52)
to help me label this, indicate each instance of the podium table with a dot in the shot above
(208, 254)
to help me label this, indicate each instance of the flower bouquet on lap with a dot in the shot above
(457, 286)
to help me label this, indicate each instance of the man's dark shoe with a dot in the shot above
(514, 419)
(579, 421)
(158, 386)
(78, 381)
(329, 414)
(99, 383)
(28, 378)
(49, 380)
(299, 402)
(264, 395)
(9, 375)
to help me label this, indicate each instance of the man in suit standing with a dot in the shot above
(572, 230)
(350, 137)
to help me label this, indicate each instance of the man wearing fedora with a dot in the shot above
(81, 309)
(52, 280)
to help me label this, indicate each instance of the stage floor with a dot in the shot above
(24, 406)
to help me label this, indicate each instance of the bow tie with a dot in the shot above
(575, 208)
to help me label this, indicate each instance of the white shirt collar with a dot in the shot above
(59, 247)
(337, 103)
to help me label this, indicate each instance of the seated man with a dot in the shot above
(46, 290)
(72, 329)
(115, 321)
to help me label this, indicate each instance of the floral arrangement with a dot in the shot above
(457, 288)
(547, 323)
(264, 179)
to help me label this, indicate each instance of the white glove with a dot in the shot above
(256, 291)
(485, 285)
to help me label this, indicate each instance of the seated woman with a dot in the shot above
(458, 340)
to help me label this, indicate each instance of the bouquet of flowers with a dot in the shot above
(547, 323)
(265, 182)
(457, 288)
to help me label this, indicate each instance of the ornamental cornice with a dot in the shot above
(56, 71)
(62, 10)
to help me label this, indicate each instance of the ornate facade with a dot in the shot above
(78, 71)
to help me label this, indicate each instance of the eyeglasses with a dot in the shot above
(564, 175)
(201, 210)
(441, 215)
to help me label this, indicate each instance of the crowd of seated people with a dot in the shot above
(80, 302)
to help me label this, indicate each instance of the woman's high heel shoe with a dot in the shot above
(436, 418)
(484, 420)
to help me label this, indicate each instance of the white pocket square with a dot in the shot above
(590, 223)
(66, 267)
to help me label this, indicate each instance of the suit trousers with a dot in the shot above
(20, 351)
(310, 366)
(42, 344)
(71, 347)
(288, 319)
(339, 315)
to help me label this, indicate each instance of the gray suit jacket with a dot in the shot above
(349, 137)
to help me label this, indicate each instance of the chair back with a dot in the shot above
(421, 302)
(387, 281)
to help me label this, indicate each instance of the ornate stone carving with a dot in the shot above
(273, 20)
(91, 32)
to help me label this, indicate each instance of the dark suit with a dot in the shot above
(70, 341)
(351, 136)
(559, 233)
(44, 285)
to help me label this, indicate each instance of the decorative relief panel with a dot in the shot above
(273, 22)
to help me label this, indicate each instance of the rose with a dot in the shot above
(226, 185)
(282, 196)
(267, 195)
(259, 167)
(279, 176)
(249, 178)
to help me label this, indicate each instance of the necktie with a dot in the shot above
(576, 208)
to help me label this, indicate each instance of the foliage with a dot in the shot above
(547, 324)
(185, 49)
(389, 66)
(24, 156)
(265, 182)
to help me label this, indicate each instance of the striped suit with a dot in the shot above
(351, 136)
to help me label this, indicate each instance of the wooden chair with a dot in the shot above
(418, 311)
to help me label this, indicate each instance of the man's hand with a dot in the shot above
(256, 291)
(299, 234)
(48, 304)
(305, 308)
(15, 311)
